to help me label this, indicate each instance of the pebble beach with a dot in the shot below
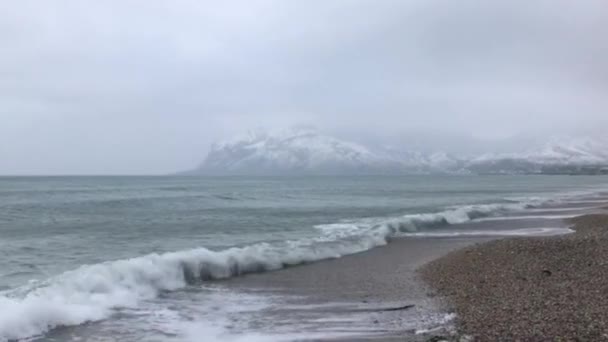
(529, 289)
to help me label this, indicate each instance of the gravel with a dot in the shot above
(529, 289)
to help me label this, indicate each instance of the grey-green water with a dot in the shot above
(151, 244)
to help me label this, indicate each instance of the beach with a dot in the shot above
(530, 289)
(481, 288)
(372, 295)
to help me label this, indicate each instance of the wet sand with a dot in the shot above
(360, 288)
(530, 289)
(380, 274)
(356, 290)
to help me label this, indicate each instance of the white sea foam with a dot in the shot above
(584, 201)
(440, 324)
(93, 292)
(451, 216)
(526, 217)
(561, 209)
(194, 331)
(541, 231)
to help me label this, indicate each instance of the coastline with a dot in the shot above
(346, 298)
(352, 298)
(530, 289)
(180, 284)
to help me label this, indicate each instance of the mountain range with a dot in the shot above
(309, 152)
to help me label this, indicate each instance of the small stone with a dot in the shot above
(437, 339)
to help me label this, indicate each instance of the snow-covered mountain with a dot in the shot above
(308, 152)
(557, 152)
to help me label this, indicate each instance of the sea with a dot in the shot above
(152, 258)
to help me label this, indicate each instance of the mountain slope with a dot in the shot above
(294, 152)
(557, 153)
(308, 152)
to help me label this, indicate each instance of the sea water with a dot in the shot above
(138, 258)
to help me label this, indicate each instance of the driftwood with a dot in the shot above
(386, 309)
(399, 308)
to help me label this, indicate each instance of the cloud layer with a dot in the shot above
(145, 86)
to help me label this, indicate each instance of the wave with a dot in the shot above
(453, 215)
(527, 217)
(560, 209)
(94, 292)
(542, 231)
(589, 201)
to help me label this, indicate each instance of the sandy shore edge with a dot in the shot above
(529, 289)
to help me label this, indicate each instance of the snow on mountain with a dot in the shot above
(571, 151)
(306, 151)
(564, 151)
(296, 151)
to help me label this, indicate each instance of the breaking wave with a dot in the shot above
(93, 292)
(415, 222)
(463, 214)
(542, 231)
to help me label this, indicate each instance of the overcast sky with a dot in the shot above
(132, 87)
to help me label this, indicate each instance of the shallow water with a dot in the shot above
(135, 255)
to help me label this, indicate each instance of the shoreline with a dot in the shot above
(408, 272)
(358, 287)
(528, 288)
(364, 291)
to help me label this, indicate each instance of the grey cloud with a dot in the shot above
(145, 86)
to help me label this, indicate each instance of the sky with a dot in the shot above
(144, 87)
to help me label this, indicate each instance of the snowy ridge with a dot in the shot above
(572, 151)
(566, 154)
(559, 151)
(308, 152)
(293, 151)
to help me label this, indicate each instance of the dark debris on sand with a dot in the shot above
(530, 289)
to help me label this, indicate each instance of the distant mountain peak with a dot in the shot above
(307, 151)
(291, 151)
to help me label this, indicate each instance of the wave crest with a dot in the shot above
(455, 215)
(92, 292)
